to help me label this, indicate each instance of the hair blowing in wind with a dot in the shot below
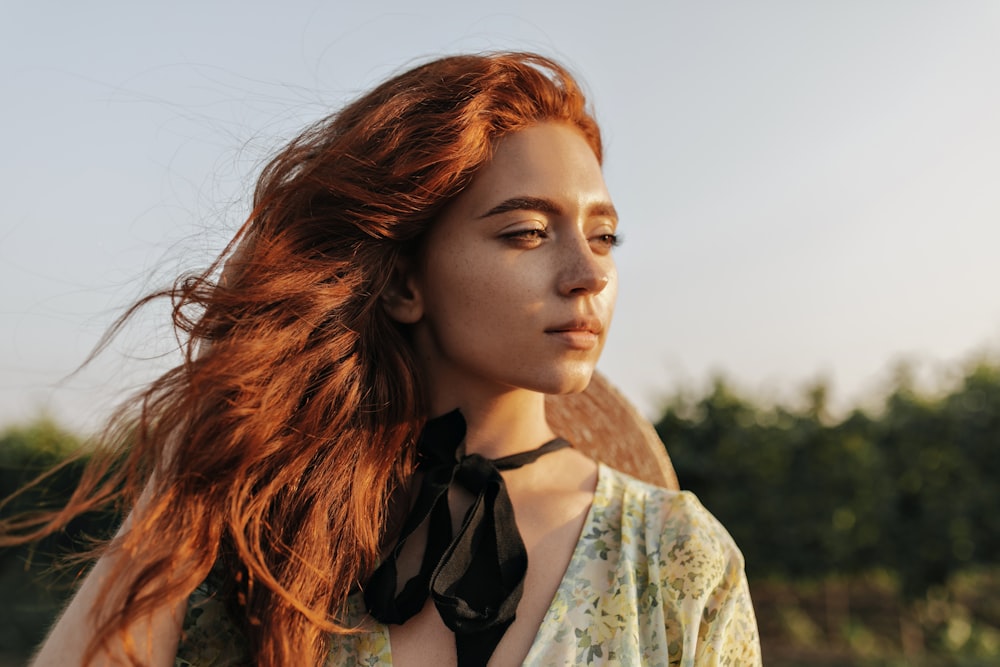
(275, 446)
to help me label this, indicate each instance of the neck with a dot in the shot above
(501, 424)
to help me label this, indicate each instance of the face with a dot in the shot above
(516, 283)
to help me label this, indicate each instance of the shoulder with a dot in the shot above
(683, 540)
(695, 573)
(679, 512)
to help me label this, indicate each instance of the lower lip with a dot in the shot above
(577, 340)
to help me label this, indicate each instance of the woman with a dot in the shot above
(336, 467)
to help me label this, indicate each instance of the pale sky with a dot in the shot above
(807, 189)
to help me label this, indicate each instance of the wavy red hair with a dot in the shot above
(278, 442)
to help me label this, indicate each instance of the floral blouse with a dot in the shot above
(654, 580)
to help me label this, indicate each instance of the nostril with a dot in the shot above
(590, 284)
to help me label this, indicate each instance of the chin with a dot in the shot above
(570, 382)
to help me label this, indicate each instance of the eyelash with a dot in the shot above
(609, 240)
(525, 238)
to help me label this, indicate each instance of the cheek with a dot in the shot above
(481, 279)
(478, 302)
(453, 294)
(477, 295)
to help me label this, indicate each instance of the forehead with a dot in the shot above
(551, 160)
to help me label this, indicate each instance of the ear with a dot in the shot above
(403, 299)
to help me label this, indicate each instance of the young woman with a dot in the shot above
(333, 474)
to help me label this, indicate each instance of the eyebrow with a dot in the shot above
(543, 205)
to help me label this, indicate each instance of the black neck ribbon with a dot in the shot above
(476, 577)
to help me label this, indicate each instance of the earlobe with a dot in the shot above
(403, 300)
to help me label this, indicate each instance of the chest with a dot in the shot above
(550, 529)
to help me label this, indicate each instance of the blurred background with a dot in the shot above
(808, 307)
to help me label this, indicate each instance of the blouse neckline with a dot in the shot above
(552, 613)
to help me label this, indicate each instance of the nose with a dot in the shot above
(584, 270)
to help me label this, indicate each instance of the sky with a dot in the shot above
(808, 191)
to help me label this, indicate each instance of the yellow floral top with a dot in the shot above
(654, 580)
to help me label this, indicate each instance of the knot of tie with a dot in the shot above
(474, 473)
(476, 576)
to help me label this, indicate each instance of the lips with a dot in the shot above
(590, 325)
(578, 334)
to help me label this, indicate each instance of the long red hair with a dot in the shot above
(280, 438)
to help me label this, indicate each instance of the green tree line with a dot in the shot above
(33, 579)
(911, 488)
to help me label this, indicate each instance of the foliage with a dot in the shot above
(911, 490)
(862, 620)
(32, 584)
(37, 445)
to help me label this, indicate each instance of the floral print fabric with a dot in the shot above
(654, 580)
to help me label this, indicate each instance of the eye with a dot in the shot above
(606, 242)
(525, 238)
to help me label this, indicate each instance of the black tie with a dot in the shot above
(476, 578)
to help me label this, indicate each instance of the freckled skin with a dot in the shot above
(491, 288)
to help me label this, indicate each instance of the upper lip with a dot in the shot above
(588, 324)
